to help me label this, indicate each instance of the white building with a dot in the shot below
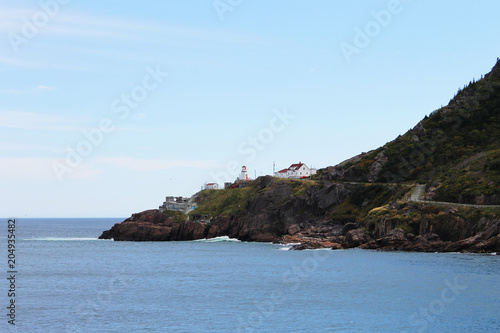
(212, 186)
(296, 171)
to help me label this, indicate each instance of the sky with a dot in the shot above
(106, 107)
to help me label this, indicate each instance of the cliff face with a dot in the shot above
(365, 201)
(324, 214)
(269, 209)
(151, 225)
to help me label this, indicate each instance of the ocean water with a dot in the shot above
(68, 281)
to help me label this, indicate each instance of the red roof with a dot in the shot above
(295, 166)
(210, 184)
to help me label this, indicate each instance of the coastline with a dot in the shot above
(153, 225)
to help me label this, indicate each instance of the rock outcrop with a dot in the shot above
(268, 216)
(151, 225)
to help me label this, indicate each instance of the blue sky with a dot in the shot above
(107, 107)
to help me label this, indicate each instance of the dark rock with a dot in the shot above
(451, 210)
(462, 245)
(152, 225)
(313, 245)
(432, 237)
(293, 229)
(355, 238)
(377, 166)
(480, 200)
(348, 227)
(487, 246)
(394, 205)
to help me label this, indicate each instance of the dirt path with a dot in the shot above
(417, 193)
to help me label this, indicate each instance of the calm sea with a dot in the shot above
(68, 281)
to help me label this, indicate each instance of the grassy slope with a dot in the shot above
(456, 148)
(362, 199)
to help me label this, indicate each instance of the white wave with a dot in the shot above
(287, 246)
(218, 239)
(325, 249)
(60, 239)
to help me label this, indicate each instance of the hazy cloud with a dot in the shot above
(39, 89)
(29, 168)
(157, 164)
(37, 121)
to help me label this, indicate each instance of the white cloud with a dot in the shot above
(78, 25)
(157, 164)
(41, 169)
(7, 64)
(37, 121)
(23, 147)
(118, 28)
(16, 62)
(39, 89)
(42, 88)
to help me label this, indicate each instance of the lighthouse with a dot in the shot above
(243, 175)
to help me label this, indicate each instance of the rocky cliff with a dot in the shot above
(263, 212)
(152, 225)
(318, 214)
(365, 201)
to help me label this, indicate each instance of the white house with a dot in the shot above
(296, 171)
(212, 186)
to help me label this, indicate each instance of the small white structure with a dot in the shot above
(179, 204)
(212, 186)
(243, 174)
(296, 171)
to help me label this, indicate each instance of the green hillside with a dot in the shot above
(455, 150)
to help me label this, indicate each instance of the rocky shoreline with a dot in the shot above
(484, 242)
(152, 225)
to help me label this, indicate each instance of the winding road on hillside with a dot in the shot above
(418, 192)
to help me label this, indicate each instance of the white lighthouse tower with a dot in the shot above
(243, 175)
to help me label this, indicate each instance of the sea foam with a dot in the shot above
(218, 239)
